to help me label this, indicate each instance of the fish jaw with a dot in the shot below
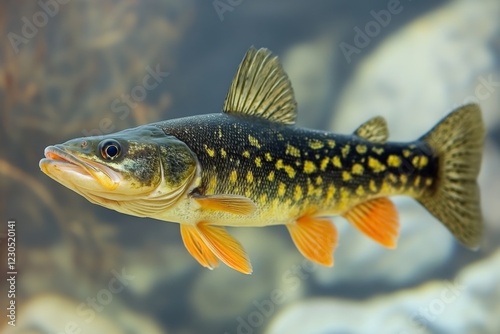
(66, 169)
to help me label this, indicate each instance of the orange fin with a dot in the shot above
(378, 219)
(238, 205)
(206, 243)
(197, 247)
(315, 238)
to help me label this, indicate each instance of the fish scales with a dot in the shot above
(208, 135)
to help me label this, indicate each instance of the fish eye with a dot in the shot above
(110, 149)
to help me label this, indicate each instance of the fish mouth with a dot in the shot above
(59, 161)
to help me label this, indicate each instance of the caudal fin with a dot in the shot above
(458, 143)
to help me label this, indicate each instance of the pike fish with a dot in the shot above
(250, 165)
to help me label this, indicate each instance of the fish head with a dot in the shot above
(137, 171)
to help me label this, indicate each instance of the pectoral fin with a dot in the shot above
(235, 204)
(315, 238)
(378, 219)
(207, 243)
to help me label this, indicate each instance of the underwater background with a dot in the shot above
(70, 68)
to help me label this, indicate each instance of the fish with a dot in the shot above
(252, 166)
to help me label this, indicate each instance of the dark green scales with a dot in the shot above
(273, 152)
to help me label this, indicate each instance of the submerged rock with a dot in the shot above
(53, 313)
(468, 304)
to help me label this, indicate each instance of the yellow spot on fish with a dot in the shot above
(361, 149)
(246, 154)
(317, 156)
(316, 144)
(324, 164)
(394, 161)
(263, 199)
(297, 194)
(428, 182)
(360, 191)
(406, 153)
(268, 156)
(373, 186)
(345, 197)
(420, 161)
(210, 151)
(233, 176)
(281, 189)
(292, 150)
(386, 188)
(223, 153)
(258, 162)
(309, 167)
(290, 171)
(378, 150)
(280, 137)
(248, 193)
(357, 169)
(319, 180)
(346, 176)
(212, 183)
(279, 164)
(270, 177)
(253, 141)
(330, 192)
(310, 189)
(249, 176)
(345, 151)
(376, 165)
(416, 183)
(330, 143)
(392, 178)
(403, 178)
(336, 161)
(220, 133)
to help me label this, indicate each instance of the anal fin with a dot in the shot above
(315, 238)
(207, 243)
(377, 219)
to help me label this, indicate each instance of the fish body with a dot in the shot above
(288, 171)
(252, 166)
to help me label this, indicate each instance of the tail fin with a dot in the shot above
(458, 143)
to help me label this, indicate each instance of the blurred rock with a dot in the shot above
(47, 314)
(421, 72)
(466, 305)
(309, 67)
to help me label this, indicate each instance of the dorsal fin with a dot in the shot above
(374, 130)
(261, 88)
